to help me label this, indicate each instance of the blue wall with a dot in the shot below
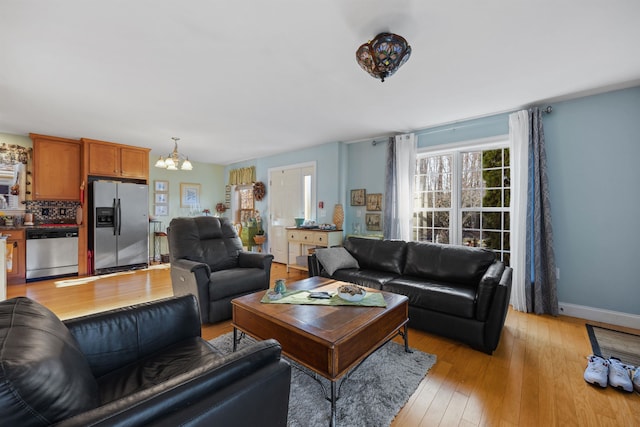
(330, 167)
(366, 170)
(593, 150)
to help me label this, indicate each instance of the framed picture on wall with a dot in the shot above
(374, 202)
(189, 195)
(162, 198)
(358, 197)
(161, 186)
(374, 222)
(161, 210)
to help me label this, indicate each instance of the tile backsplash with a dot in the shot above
(52, 211)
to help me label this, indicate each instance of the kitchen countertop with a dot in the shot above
(37, 226)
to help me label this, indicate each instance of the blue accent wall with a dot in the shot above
(464, 131)
(366, 170)
(593, 155)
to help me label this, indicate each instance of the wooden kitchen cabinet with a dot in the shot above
(116, 160)
(16, 244)
(56, 168)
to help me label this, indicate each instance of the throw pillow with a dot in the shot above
(45, 377)
(333, 259)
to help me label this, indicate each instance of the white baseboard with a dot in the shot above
(600, 315)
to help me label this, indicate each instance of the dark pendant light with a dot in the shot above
(382, 56)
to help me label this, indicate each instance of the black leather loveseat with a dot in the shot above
(144, 365)
(454, 291)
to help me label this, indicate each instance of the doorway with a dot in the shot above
(292, 194)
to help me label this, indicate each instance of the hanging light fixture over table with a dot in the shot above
(172, 162)
(382, 56)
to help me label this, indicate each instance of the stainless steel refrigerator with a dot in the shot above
(120, 226)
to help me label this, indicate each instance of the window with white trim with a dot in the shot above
(461, 197)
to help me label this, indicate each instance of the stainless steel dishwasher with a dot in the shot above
(51, 252)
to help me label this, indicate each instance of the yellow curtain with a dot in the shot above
(242, 176)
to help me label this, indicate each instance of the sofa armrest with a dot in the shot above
(486, 289)
(498, 311)
(114, 338)
(191, 266)
(254, 260)
(248, 387)
(192, 278)
(314, 265)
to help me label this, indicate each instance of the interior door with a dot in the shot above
(291, 195)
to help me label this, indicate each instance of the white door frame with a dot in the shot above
(272, 236)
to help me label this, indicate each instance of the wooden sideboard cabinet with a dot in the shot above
(313, 237)
(56, 168)
(116, 160)
(16, 244)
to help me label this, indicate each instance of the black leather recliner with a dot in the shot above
(207, 261)
(144, 365)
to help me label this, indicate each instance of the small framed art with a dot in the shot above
(162, 198)
(161, 210)
(374, 202)
(374, 222)
(161, 186)
(358, 197)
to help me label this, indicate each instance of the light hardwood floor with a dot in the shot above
(534, 378)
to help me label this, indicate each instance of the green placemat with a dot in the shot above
(372, 299)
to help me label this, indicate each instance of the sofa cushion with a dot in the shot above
(448, 263)
(183, 357)
(44, 377)
(368, 278)
(333, 259)
(235, 282)
(451, 298)
(381, 255)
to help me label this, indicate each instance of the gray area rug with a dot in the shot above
(371, 396)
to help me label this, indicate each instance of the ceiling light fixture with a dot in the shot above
(382, 56)
(174, 158)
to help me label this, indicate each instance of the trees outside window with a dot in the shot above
(462, 197)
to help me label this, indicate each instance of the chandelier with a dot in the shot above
(382, 56)
(172, 162)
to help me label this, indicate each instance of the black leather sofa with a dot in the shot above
(454, 291)
(207, 261)
(144, 365)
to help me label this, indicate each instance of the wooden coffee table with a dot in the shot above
(329, 340)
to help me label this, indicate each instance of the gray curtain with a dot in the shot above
(542, 295)
(390, 223)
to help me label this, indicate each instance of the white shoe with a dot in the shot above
(636, 379)
(597, 371)
(620, 375)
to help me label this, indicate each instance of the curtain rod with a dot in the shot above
(548, 110)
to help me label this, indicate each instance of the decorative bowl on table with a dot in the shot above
(351, 293)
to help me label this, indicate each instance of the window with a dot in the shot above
(462, 197)
(245, 194)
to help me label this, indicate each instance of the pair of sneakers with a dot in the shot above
(613, 372)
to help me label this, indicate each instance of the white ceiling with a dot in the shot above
(237, 80)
